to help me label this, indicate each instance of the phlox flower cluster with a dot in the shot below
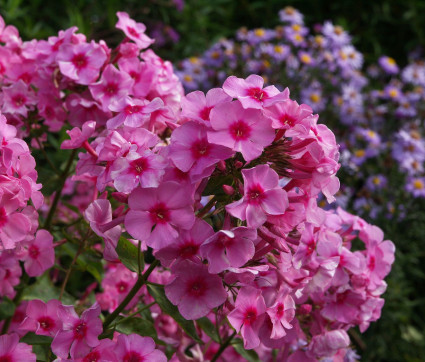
(220, 192)
(376, 112)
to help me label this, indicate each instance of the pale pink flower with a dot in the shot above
(286, 114)
(134, 31)
(13, 351)
(191, 151)
(166, 207)
(42, 318)
(17, 98)
(10, 274)
(243, 130)
(79, 136)
(78, 334)
(133, 112)
(113, 85)
(328, 343)
(81, 62)
(40, 254)
(229, 248)
(248, 315)
(197, 106)
(250, 91)
(262, 196)
(195, 291)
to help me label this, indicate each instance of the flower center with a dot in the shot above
(160, 214)
(3, 217)
(139, 166)
(79, 60)
(121, 287)
(255, 194)
(111, 89)
(132, 31)
(200, 149)
(132, 109)
(257, 93)
(240, 131)
(80, 330)
(19, 100)
(250, 316)
(188, 250)
(46, 323)
(92, 357)
(205, 113)
(33, 251)
(280, 310)
(197, 288)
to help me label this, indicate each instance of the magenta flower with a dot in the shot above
(229, 248)
(78, 334)
(287, 114)
(262, 196)
(187, 245)
(40, 254)
(17, 98)
(13, 351)
(78, 137)
(42, 318)
(191, 151)
(250, 91)
(281, 313)
(248, 315)
(133, 112)
(10, 274)
(165, 207)
(81, 62)
(197, 106)
(145, 169)
(194, 290)
(134, 31)
(244, 130)
(113, 86)
(104, 352)
(134, 348)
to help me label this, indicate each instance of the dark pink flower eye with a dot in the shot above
(240, 130)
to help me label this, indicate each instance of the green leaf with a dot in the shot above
(129, 254)
(44, 290)
(7, 308)
(167, 307)
(209, 328)
(33, 339)
(136, 325)
(250, 355)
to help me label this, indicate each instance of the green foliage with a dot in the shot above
(7, 308)
(139, 326)
(249, 355)
(130, 255)
(44, 290)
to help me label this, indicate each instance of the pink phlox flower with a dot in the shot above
(104, 352)
(248, 315)
(10, 274)
(112, 86)
(379, 259)
(99, 213)
(197, 106)
(134, 31)
(24, 69)
(156, 212)
(113, 146)
(140, 72)
(343, 307)
(133, 112)
(245, 275)
(370, 311)
(78, 334)
(328, 343)
(42, 318)
(14, 226)
(18, 98)
(40, 254)
(250, 91)
(81, 62)
(13, 351)
(262, 196)
(144, 168)
(51, 109)
(83, 108)
(116, 284)
(134, 348)
(78, 137)
(281, 313)
(287, 114)
(229, 248)
(195, 291)
(244, 130)
(191, 151)
(187, 245)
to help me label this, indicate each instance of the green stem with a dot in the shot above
(207, 207)
(141, 280)
(136, 312)
(59, 191)
(223, 347)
